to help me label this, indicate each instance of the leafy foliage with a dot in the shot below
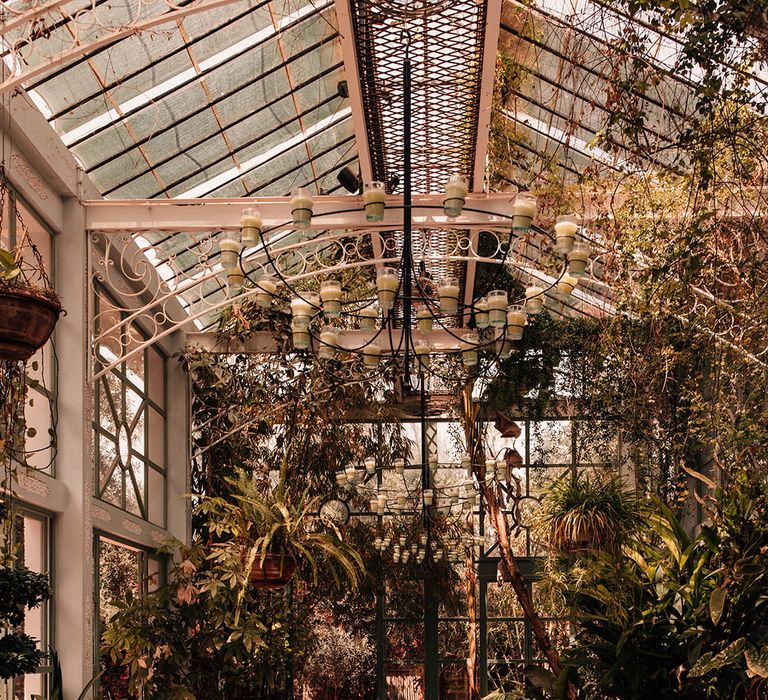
(588, 512)
(693, 619)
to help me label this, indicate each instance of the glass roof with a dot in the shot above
(239, 100)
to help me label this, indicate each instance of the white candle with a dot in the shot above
(566, 284)
(300, 336)
(481, 313)
(523, 210)
(351, 474)
(266, 286)
(401, 504)
(235, 279)
(468, 345)
(374, 505)
(368, 317)
(466, 464)
(329, 341)
(423, 348)
(578, 259)
(371, 355)
(386, 286)
(565, 233)
(497, 308)
(490, 468)
(229, 248)
(301, 208)
(330, 295)
(373, 200)
(516, 318)
(301, 310)
(448, 291)
(424, 316)
(370, 465)
(250, 226)
(534, 299)
(456, 190)
(399, 466)
(501, 470)
(382, 507)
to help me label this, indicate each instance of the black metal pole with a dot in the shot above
(407, 228)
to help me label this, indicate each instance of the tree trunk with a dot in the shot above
(499, 519)
(474, 688)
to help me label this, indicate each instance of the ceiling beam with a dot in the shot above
(485, 109)
(330, 212)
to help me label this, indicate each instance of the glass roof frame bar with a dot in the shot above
(172, 125)
(570, 91)
(592, 71)
(218, 159)
(338, 165)
(671, 37)
(565, 24)
(18, 79)
(147, 67)
(197, 76)
(339, 117)
(591, 130)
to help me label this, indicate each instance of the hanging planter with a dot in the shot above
(27, 319)
(275, 571)
(29, 308)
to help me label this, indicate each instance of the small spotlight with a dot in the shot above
(343, 89)
(349, 181)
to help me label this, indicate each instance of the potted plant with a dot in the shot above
(587, 513)
(272, 533)
(29, 308)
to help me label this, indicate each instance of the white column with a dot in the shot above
(74, 465)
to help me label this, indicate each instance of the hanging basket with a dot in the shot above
(27, 320)
(274, 572)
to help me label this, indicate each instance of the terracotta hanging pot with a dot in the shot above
(274, 572)
(27, 320)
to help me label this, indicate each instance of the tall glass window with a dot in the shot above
(32, 538)
(120, 568)
(130, 422)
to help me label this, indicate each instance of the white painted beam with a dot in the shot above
(331, 212)
(264, 341)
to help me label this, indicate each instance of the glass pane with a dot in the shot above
(37, 412)
(453, 640)
(156, 497)
(405, 640)
(156, 438)
(156, 377)
(502, 601)
(120, 570)
(454, 680)
(506, 640)
(550, 442)
(404, 681)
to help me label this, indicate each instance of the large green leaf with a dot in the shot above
(757, 661)
(716, 604)
(708, 663)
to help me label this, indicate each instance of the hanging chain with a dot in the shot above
(31, 273)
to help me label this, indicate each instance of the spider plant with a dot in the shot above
(583, 512)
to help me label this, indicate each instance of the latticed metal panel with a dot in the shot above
(446, 50)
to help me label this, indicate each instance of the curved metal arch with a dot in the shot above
(158, 288)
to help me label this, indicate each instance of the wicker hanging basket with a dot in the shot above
(27, 320)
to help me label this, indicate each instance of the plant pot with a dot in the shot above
(27, 320)
(274, 572)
